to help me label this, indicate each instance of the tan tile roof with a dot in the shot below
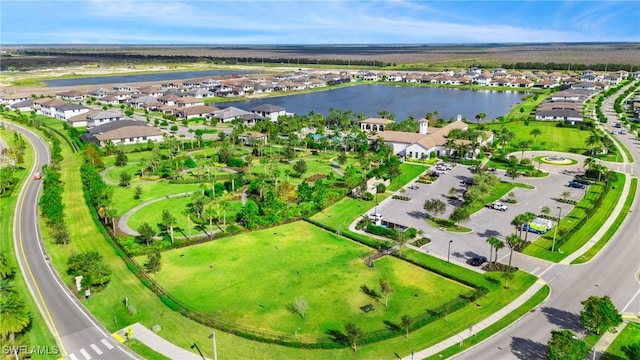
(128, 132)
(376, 121)
(52, 102)
(82, 117)
(439, 135)
(198, 109)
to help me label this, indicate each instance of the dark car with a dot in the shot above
(477, 261)
(576, 185)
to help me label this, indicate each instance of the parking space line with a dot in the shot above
(106, 343)
(96, 349)
(85, 354)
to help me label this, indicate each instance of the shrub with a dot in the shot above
(235, 162)
(421, 242)
(383, 231)
(170, 303)
(401, 197)
(367, 196)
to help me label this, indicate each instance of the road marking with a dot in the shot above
(18, 216)
(535, 270)
(630, 301)
(72, 357)
(118, 337)
(96, 349)
(106, 343)
(540, 282)
(85, 354)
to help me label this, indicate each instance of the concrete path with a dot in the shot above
(465, 334)
(157, 343)
(124, 219)
(336, 167)
(606, 340)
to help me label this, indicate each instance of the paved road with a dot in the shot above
(613, 272)
(78, 335)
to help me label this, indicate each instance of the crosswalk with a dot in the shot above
(92, 351)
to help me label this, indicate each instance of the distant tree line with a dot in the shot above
(569, 66)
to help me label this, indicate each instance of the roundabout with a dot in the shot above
(556, 160)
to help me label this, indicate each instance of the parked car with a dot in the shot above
(498, 206)
(623, 132)
(467, 181)
(614, 133)
(618, 125)
(477, 261)
(576, 185)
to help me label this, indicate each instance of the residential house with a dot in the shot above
(71, 95)
(189, 102)
(123, 132)
(14, 98)
(250, 119)
(48, 106)
(63, 112)
(228, 114)
(197, 111)
(271, 112)
(22, 106)
(102, 117)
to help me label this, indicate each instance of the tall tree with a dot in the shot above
(353, 333)
(599, 314)
(497, 245)
(564, 345)
(460, 214)
(386, 290)
(535, 132)
(153, 261)
(435, 206)
(168, 221)
(513, 173)
(491, 240)
(406, 322)
(146, 233)
(125, 179)
(14, 315)
(514, 241)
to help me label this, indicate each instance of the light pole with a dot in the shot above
(197, 348)
(449, 251)
(553, 246)
(213, 342)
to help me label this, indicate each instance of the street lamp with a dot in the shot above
(449, 251)
(197, 348)
(213, 342)
(553, 246)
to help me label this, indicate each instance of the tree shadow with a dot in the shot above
(563, 319)
(337, 336)
(392, 326)
(371, 293)
(458, 254)
(417, 214)
(527, 349)
(489, 233)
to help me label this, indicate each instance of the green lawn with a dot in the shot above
(629, 335)
(268, 269)
(38, 334)
(614, 227)
(542, 246)
(341, 214)
(552, 138)
(123, 200)
(408, 172)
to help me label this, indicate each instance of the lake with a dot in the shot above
(400, 100)
(124, 79)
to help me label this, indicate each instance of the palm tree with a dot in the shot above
(14, 315)
(491, 240)
(5, 268)
(593, 140)
(589, 163)
(514, 241)
(517, 222)
(535, 132)
(449, 145)
(497, 245)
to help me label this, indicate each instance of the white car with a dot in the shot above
(499, 206)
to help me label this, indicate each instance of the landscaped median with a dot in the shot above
(577, 227)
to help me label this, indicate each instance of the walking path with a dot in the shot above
(123, 221)
(607, 338)
(157, 343)
(465, 334)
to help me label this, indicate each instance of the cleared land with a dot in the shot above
(268, 269)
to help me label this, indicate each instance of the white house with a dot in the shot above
(64, 112)
(48, 106)
(22, 106)
(271, 112)
(374, 124)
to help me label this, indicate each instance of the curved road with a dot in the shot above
(612, 272)
(78, 335)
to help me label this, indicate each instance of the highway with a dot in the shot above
(78, 335)
(612, 272)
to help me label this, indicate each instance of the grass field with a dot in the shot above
(268, 269)
(541, 247)
(552, 138)
(124, 201)
(38, 334)
(341, 214)
(408, 172)
(629, 335)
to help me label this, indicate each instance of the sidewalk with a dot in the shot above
(157, 343)
(465, 334)
(607, 338)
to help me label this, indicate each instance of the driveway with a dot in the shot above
(486, 222)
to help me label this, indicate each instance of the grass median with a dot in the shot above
(541, 248)
(613, 228)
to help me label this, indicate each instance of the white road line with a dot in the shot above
(630, 301)
(72, 357)
(534, 271)
(106, 343)
(96, 349)
(85, 354)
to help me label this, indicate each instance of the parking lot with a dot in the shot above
(486, 222)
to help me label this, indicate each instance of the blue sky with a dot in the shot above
(315, 22)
